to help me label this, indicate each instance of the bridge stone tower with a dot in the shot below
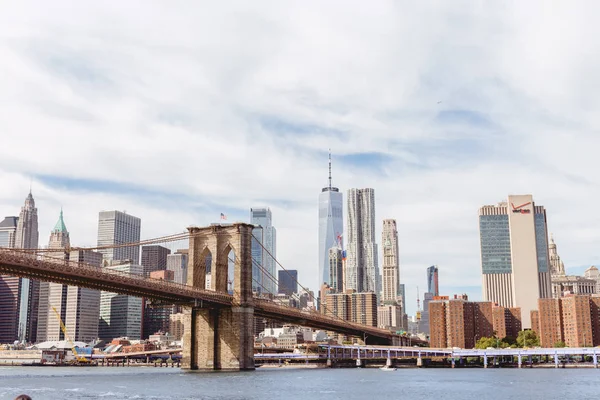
(220, 338)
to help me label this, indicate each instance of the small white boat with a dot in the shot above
(386, 368)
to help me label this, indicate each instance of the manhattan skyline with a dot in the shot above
(436, 127)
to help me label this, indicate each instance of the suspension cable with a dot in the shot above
(296, 280)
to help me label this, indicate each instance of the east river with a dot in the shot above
(288, 384)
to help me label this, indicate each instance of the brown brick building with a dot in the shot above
(577, 321)
(351, 306)
(459, 322)
(507, 321)
(574, 320)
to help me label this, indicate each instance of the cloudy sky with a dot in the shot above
(177, 111)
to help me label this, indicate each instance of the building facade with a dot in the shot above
(288, 282)
(507, 321)
(53, 296)
(593, 274)
(27, 237)
(573, 320)
(157, 317)
(433, 285)
(83, 304)
(154, 258)
(362, 270)
(336, 269)
(121, 315)
(458, 322)
(331, 226)
(178, 263)
(116, 227)
(10, 287)
(264, 251)
(19, 297)
(514, 254)
(391, 266)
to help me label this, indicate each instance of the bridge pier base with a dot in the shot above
(595, 358)
(218, 339)
(453, 363)
(485, 362)
(520, 361)
(555, 360)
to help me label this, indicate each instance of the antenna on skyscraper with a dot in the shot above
(329, 168)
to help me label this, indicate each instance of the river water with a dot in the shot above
(289, 384)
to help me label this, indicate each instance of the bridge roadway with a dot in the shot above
(52, 269)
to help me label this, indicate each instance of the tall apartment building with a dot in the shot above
(458, 322)
(154, 258)
(177, 263)
(9, 287)
(433, 284)
(391, 269)
(116, 227)
(54, 294)
(514, 254)
(360, 308)
(507, 322)
(362, 271)
(264, 251)
(336, 269)
(573, 319)
(120, 315)
(288, 282)
(364, 308)
(331, 226)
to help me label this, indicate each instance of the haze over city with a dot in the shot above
(178, 117)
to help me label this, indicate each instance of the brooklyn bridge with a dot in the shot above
(218, 324)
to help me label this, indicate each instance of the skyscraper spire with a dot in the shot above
(330, 169)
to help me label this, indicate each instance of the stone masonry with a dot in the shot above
(220, 338)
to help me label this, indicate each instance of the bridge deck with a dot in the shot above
(52, 269)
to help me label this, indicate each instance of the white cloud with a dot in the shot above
(229, 107)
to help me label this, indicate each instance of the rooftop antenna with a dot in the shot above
(329, 168)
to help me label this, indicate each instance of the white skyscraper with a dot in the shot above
(116, 227)
(362, 271)
(265, 235)
(331, 225)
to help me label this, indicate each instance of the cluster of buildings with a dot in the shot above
(524, 286)
(458, 322)
(352, 287)
(32, 311)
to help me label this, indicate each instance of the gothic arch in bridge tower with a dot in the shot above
(220, 337)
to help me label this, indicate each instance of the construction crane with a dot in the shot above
(80, 359)
(418, 316)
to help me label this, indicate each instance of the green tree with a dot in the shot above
(560, 343)
(509, 340)
(486, 342)
(527, 338)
